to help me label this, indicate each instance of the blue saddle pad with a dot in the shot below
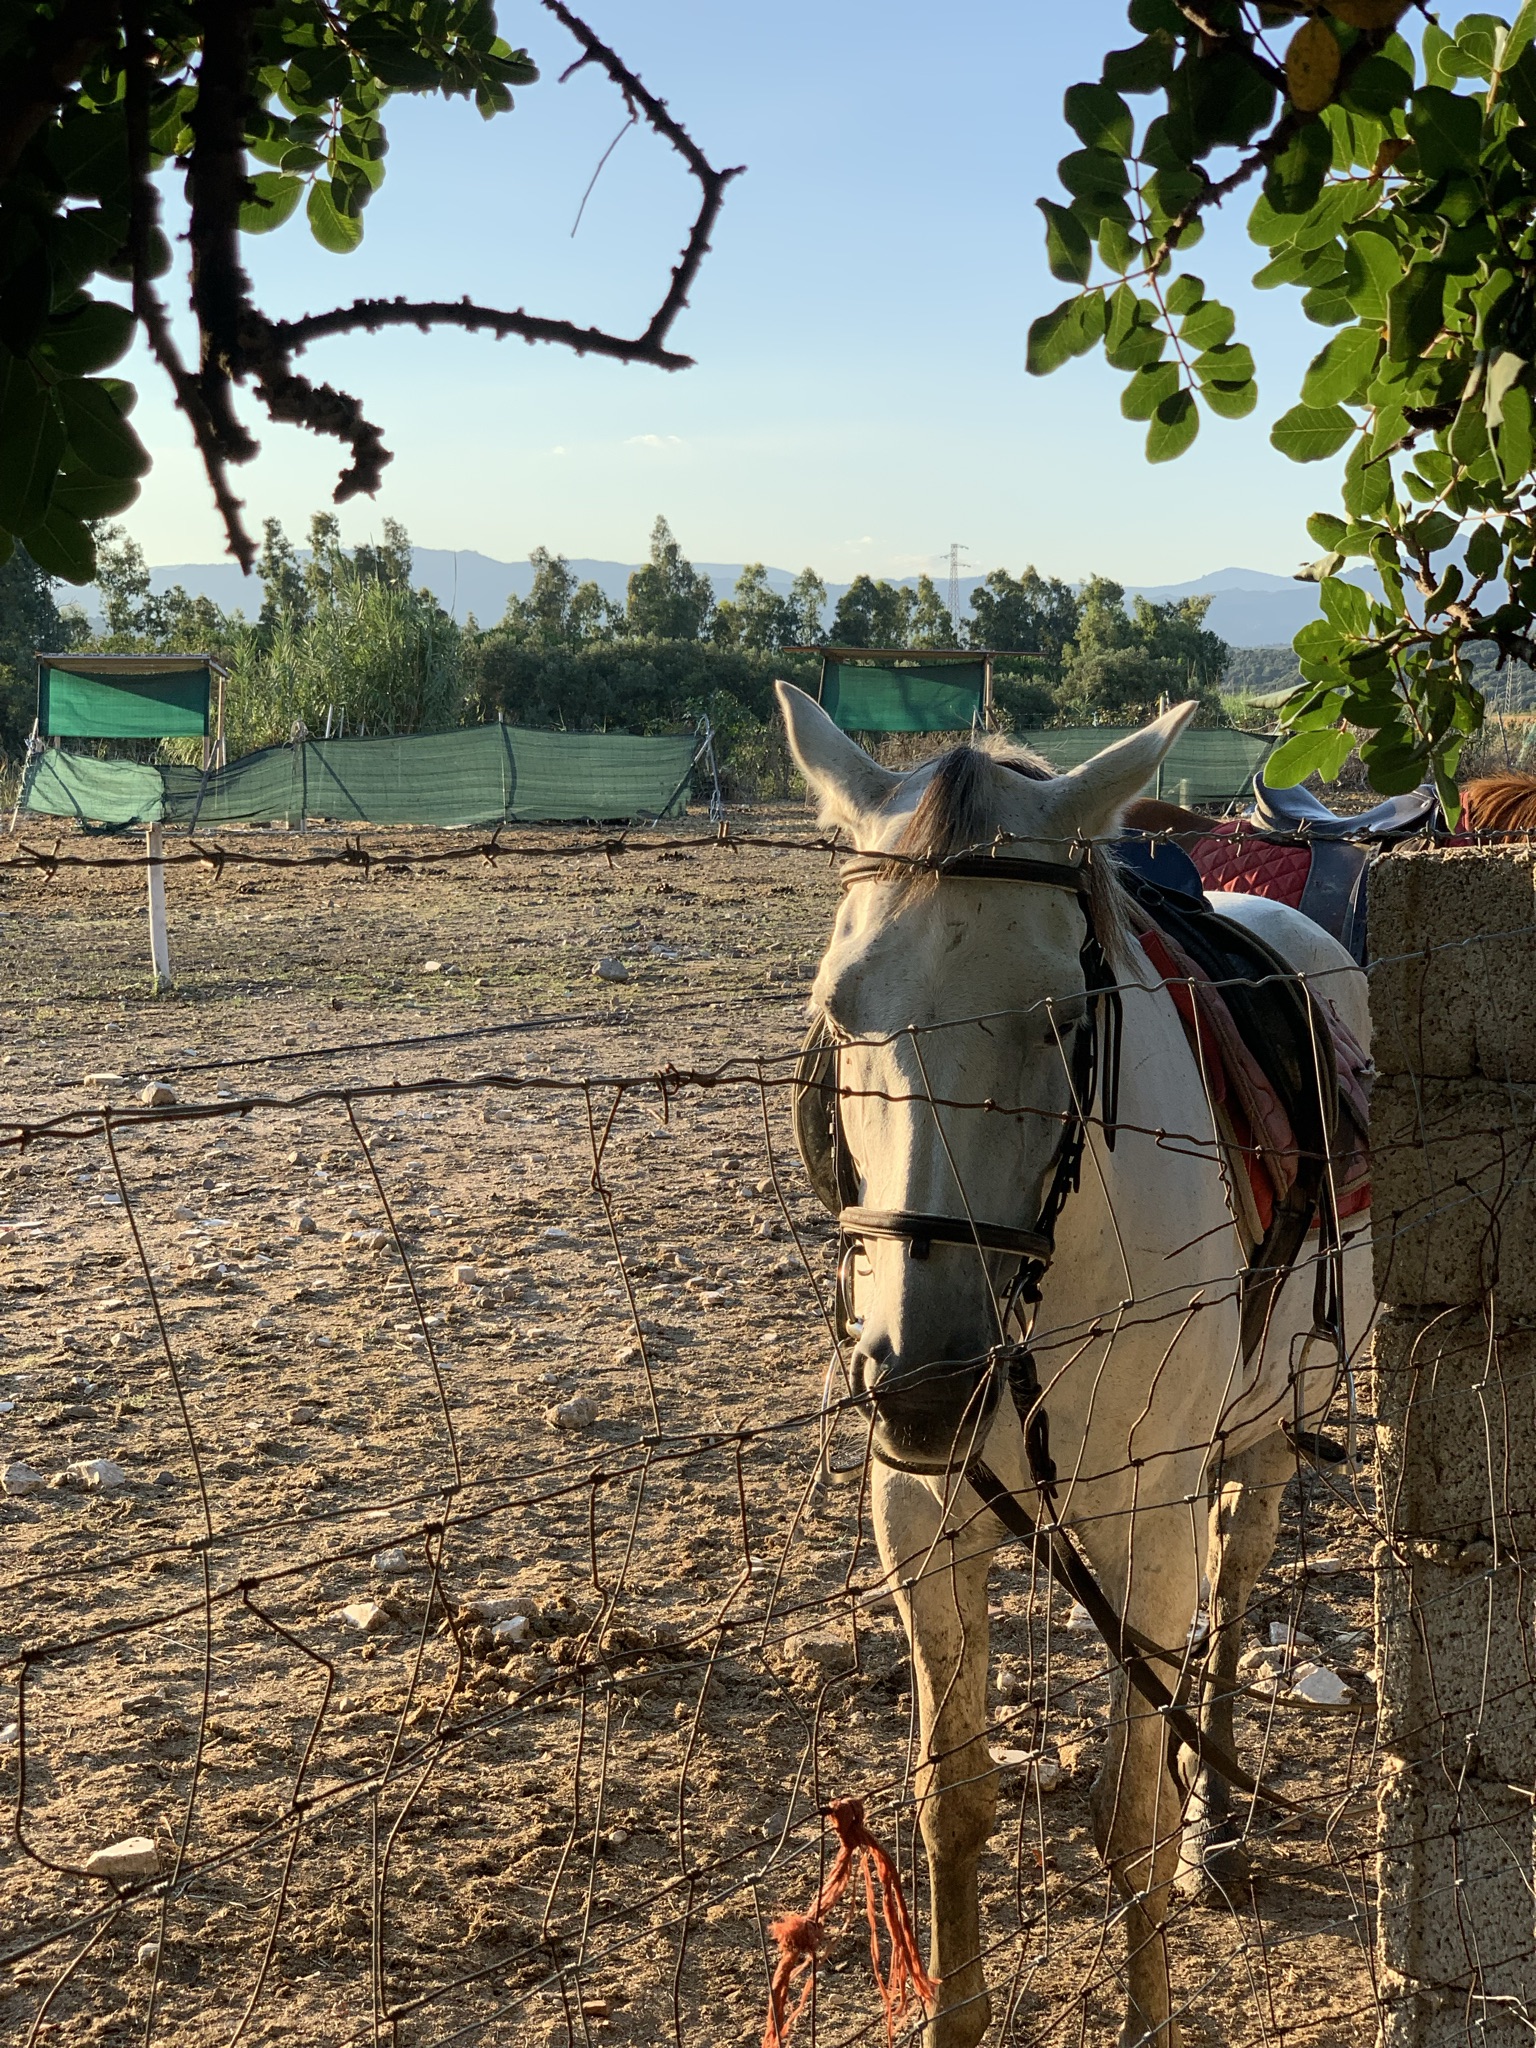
(1162, 862)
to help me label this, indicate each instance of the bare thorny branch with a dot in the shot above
(238, 342)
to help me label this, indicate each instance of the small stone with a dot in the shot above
(1262, 1661)
(595, 2008)
(466, 1275)
(305, 1225)
(580, 1412)
(366, 1615)
(303, 1411)
(512, 1630)
(105, 1080)
(372, 1240)
(148, 1954)
(134, 1856)
(1319, 1687)
(166, 1479)
(1080, 1621)
(390, 1562)
(1325, 1567)
(615, 1838)
(1045, 1770)
(10, 1735)
(830, 1650)
(609, 969)
(494, 1607)
(19, 1477)
(1074, 1754)
(158, 1095)
(1284, 1636)
(97, 1474)
(431, 966)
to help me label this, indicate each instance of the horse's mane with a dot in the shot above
(959, 808)
(1500, 803)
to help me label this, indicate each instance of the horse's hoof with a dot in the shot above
(1218, 1874)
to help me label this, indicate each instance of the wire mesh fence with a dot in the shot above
(442, 1593)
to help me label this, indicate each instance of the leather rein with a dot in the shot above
(1095, 1074)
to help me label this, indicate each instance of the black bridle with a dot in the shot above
(1095, 1074)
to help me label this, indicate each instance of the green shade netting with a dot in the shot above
(1206, 766)
(483, 775)
(123, 707)
(941, 696)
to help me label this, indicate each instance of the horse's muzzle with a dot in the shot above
(930, 1417)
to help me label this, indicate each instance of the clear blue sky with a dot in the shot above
(859, 398)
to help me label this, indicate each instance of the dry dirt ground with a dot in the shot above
(400, 1825)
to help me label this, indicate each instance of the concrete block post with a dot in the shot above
(1453, 1005)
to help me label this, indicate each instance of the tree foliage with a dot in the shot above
(1121, 665)
(1395, 190)
(267, 106)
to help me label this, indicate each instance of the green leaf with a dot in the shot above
(276, 194)
(1174, 425)
(1215, 98)
(1310, 433)
(1094, 174)
(61, 545)
(100, 438)
(332, 229)
(1324, 567)
(1133, 336)
(1146, 67)
(1378, 87)
(1343, 368)
(1415, 309)
(1068, 250)
(1184, 294)
(1373, 265)
(1327, 529)
(1308, 753)
(93, 497)
(1485, 551)
(1147, 389)
(90, 336)
(1071, 329)
(1099, 117)
(31, 444)
(88, 151)
(1294, 181)
(1210, 325)
(1505, 369)
(1229, 401)
(1448, 128)
(1514, 446)
(1119, 249)
(1347, 607)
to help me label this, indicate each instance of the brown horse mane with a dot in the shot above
(1500, 803)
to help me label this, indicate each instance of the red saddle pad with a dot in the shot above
(1236, 857)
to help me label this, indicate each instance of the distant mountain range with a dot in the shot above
(1250, 607)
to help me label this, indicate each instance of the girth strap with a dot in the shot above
(1130, 1649)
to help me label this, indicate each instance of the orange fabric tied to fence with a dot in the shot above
(800, 1935)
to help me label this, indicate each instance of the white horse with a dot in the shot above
(945, 992)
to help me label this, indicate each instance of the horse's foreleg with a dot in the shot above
(1245, 1518)
(1136, 1802)
(942, 1595)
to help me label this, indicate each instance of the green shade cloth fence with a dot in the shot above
(918, 697)
(480, 775)
(173, 704)
(1209, 765)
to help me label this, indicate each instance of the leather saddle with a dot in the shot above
(1292, 847)
(1297, 810)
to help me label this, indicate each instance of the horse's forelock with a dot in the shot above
(1500, 803)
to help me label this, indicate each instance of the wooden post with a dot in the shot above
(159, 949)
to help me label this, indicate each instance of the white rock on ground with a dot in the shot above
(148, 1954)
(1319, 1687)
(512, 1630)
(19, 1477)
(465, 1274)
(97, 1475)
(609, 969)
(134, 1856)
(364, 1614)
(580, 1412)
(10, 1735)
(494, 1607)
(389, 1562)
(1044, 1769)
(158, 1095)
(1079, 1621)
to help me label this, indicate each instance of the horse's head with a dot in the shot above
(956, 1002)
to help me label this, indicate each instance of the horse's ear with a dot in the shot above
(845, 782)
(1091, 797)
